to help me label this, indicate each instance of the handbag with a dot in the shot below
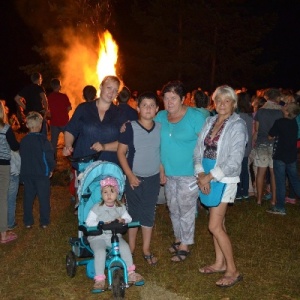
(217, 188)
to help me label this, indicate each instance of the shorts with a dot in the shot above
(229, 193)
(141, 201)
(263, 156)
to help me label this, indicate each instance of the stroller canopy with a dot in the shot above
(89, 192)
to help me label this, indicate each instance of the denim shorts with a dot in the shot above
(263, 156)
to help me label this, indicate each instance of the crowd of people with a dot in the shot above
(217, 148)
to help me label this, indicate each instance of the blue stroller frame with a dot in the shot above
(88, 195)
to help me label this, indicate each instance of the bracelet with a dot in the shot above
(103, 147)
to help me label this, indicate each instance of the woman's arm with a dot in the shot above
(69, 140)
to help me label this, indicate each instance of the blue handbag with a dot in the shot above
(217, 188)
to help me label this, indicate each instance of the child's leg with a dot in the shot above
(98, 246)
(43, 192)
(29, 195)
(11, 200)
(126, 253)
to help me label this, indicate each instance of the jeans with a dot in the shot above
(280, 171)
(243, 185)
(11, 200)
(55, 131)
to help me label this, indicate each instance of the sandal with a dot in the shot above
(10, 236)
(180, 255)
(99, 286)
(174, 247)
(229, 281)
(134, 277)
(150, 259)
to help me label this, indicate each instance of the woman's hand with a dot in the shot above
(204, 179)
(98, 147)
(67, 150)
(205, 189)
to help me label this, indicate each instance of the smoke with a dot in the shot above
(70, 40)
(77, 61)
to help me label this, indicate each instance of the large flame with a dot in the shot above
(108, 56)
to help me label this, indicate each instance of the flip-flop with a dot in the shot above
(181, 255)
(174, 247)
(231, 281)
(210, 270)
(11, 236)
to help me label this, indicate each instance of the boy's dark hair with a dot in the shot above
(55, 83)
(124, 95)
(148, 95)
(273, 94)
(35, 76)
(89, 93)
(201, 99)
(175, 86)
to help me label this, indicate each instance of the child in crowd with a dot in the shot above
(285, 132)
(139, 155)
(109, 209)
(37, 164)
(8, 142)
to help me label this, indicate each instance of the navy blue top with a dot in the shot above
(130, 113)
(87, 129)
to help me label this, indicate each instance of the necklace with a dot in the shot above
(171, 127)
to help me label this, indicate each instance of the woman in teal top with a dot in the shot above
(180, 126)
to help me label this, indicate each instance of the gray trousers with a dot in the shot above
(99, 245)
(4, 184)
(182, 205)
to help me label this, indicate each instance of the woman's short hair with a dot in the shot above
(225, 91)
(293, 110)
(201, 99)
(176, 87)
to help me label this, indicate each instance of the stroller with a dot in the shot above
(81, 253)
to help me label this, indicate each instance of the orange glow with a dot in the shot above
(108, 56)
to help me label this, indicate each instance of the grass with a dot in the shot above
(266, 249)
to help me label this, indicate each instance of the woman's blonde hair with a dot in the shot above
(225, 91)
(3, 116)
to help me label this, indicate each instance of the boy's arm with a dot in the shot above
(121, 152)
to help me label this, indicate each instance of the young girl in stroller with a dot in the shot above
(107, 210)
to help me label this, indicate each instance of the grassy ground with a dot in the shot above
(266, 249)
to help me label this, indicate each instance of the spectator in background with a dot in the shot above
(33, 98)
(264, 120)
(285, 133)
(245, 112)
(89, 93)
(59, 107)
(123, 98)
(8, 142)
(201, 102)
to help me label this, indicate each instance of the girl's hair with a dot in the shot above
(3, 116)
(176, 87)
(225, 91)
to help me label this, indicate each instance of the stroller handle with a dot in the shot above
(86, 158)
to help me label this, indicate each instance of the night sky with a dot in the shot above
(282, 45)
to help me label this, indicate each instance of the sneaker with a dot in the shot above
(238, 198)
(290, 200)
(268, 196)
(135, 277)
(28, 226)
(12, 227)
(43, 226)
(276, 211)
(246, 197)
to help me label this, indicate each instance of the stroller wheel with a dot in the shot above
(71, 264)
(118, 284)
